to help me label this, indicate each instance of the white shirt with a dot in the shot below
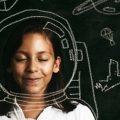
(81, 112)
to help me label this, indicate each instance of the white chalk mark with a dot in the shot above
(71, 54)
(54, 28)
(105, 9)
(113, 79)
(77, 90)
(112, 87)
(109, 9)
(10, 98)
(80, 55)
(107, 33)
(113, 9)
(5, 5)
(65, 43)
(117, 1)
(100, 86)
(86, 6)
(36, 96)
(83, 7)
(91, 79)
(3, 0)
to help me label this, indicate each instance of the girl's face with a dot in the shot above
(34, 63)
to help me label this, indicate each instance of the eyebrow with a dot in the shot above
(24, 52)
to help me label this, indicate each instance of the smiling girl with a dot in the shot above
(32, 62)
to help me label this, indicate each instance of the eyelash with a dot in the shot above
(20, 60)
(26, 59)
(44, 60)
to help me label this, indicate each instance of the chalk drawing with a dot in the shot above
(107, 33)
(74, 50)
(100, 6)
(113, 79)
(6, 5)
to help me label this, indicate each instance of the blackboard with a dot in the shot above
(92, 53)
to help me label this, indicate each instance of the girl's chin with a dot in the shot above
(33, 91)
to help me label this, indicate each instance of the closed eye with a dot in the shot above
(42, 60)
(21, 59)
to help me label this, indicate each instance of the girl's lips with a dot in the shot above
(31, 78)
(31, 81)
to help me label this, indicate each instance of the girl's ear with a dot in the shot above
(57, 65)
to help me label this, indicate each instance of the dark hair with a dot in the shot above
(14, 42)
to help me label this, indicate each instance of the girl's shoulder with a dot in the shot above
(81, 112)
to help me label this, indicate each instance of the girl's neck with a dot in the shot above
(32, 106)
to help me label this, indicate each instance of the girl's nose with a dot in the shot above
(32, 66)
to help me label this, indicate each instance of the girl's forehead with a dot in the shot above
(37, 38)
(36, 42)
